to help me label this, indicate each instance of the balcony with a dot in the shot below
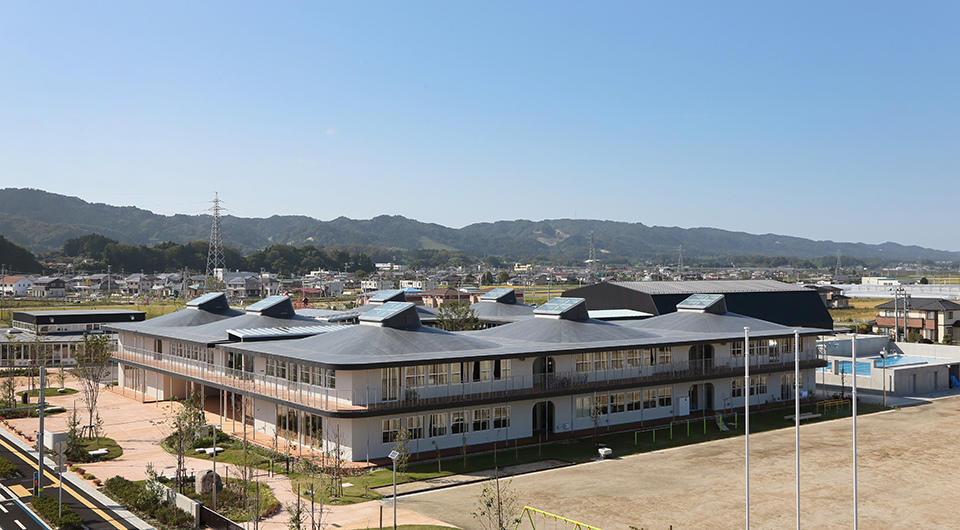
(358, 402)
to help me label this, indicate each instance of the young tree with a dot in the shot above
(8, 392)
(185, 423)
(457, 316)
(498, 505)
(402, 446)
(61, 375)
(39, 354)
(297, 518)
(93, 367)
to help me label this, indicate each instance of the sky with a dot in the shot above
(825, 120)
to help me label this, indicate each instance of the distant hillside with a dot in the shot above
(43, 221)
(17, 259)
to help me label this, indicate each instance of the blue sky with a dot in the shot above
(822, 120)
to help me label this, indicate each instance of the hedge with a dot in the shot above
(49, 508)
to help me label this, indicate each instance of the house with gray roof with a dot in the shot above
(302, 379)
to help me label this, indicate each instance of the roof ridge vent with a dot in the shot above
(273, 306)
(396, 315)
(703, 303)
(563, 308)
(387, 295)
(211, 302)
(501, 295)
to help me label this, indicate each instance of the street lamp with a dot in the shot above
(393, 456)
(213, 493)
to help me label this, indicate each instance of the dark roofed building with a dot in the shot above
(789, 305)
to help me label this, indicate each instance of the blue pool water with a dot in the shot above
(900, 360)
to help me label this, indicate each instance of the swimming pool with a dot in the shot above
(901, 360)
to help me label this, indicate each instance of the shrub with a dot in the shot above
(89, 476)
(49, 508)
(7, 468)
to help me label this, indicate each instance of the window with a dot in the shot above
(736, 349)
(634, 400)
(455, 370)
(758, 385)
(736, 388)
(389, 383)
(438, 424)
(501, 417)
(618, 359)
(415, 427)
(486, 370)
(786, 386)
(584, 406)
(601, 360)
(665, 396)
(481, 419)
(501, 369)
(584, 362)
(458, 422)
(634, 358)
(617, 403)
(649, 399)
(390, 428)
(414, 376)
(603, 404)
(665, 355)
(758, 347)
(437, 374)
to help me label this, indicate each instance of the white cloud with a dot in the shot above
(331, 132)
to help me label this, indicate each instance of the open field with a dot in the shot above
(861, 310)
(908, 478)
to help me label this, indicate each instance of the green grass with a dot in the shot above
(113, 448)
(571, 451)
(54, 391)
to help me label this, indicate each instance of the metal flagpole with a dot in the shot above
(854, 351)
(746, 415)
(796, 410)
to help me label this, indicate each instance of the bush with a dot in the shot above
(89, 476)
(7, 468)
(49, 508)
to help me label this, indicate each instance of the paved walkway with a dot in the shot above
(138, 429)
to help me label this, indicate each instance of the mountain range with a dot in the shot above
(42, 221)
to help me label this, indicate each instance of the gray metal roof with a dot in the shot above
(554, 331)
(723, 326)
(710, 286)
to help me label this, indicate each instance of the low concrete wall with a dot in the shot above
(184, 503)
(940, 351)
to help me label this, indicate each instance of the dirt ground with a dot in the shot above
(908, 470)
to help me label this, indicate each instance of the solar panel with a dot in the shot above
(196, 302)
(266, 303)
(558, 306)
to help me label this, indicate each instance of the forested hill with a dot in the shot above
(43, 221)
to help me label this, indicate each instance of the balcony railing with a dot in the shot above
(376, 398)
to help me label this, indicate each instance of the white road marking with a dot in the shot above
(4, 508)
(20, 524)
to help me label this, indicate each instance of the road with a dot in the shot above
(95, 514)
(14, 515)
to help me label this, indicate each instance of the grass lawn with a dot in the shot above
(230, 500)
(55, 391)
(113, 448)
(573, 451)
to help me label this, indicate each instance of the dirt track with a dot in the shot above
(909, 477)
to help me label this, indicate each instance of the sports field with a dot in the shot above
(909, 477)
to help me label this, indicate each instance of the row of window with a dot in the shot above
(312, 375)
(616, 360)
(460, 422)
(602, 404)
(190, 351)
(770, 347)
(758, 386)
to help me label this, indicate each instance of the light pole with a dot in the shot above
(213, 492)
(746, 413)
(393, 456)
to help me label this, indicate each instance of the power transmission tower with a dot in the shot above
(838, 264)
(681, 263)
(215, 253)
(592, 259)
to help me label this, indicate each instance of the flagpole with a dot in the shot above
(746, 415)
(853, 349)
(796, 410)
